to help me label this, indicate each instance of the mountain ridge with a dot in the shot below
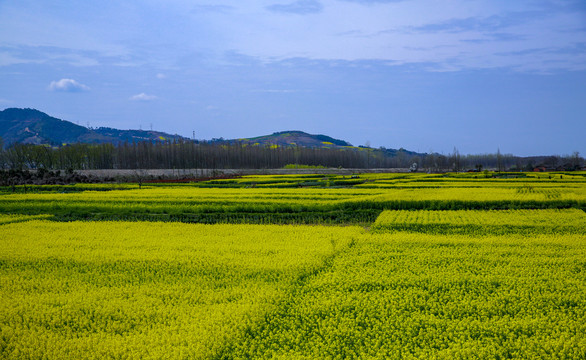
(31, 126)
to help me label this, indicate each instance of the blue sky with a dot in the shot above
(425, 75)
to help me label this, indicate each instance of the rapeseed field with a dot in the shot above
(373, 266)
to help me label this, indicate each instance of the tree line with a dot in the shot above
(185, 154)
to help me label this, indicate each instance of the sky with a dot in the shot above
(424, 75)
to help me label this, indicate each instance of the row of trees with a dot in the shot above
(187, 155)
(214, 155)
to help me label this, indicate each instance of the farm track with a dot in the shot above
(288, 301)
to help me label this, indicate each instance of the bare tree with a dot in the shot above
(455, 159)
(576, 160)
(499, 160)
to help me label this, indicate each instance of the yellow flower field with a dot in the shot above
(374, 266)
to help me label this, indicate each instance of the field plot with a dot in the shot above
(411, 295)
(193, 204)
(480, 223)
(147, 290)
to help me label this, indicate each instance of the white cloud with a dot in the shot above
(143, 97)
(67, 85)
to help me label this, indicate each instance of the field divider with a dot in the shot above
(6, 219)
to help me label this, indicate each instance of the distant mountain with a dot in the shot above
(294, 138)
(136, 135)
(303, 139)
(30, 126)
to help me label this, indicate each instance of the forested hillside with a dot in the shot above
(30, 126)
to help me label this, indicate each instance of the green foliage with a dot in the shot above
(298, 166)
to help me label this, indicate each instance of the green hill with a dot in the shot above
(295, 138)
